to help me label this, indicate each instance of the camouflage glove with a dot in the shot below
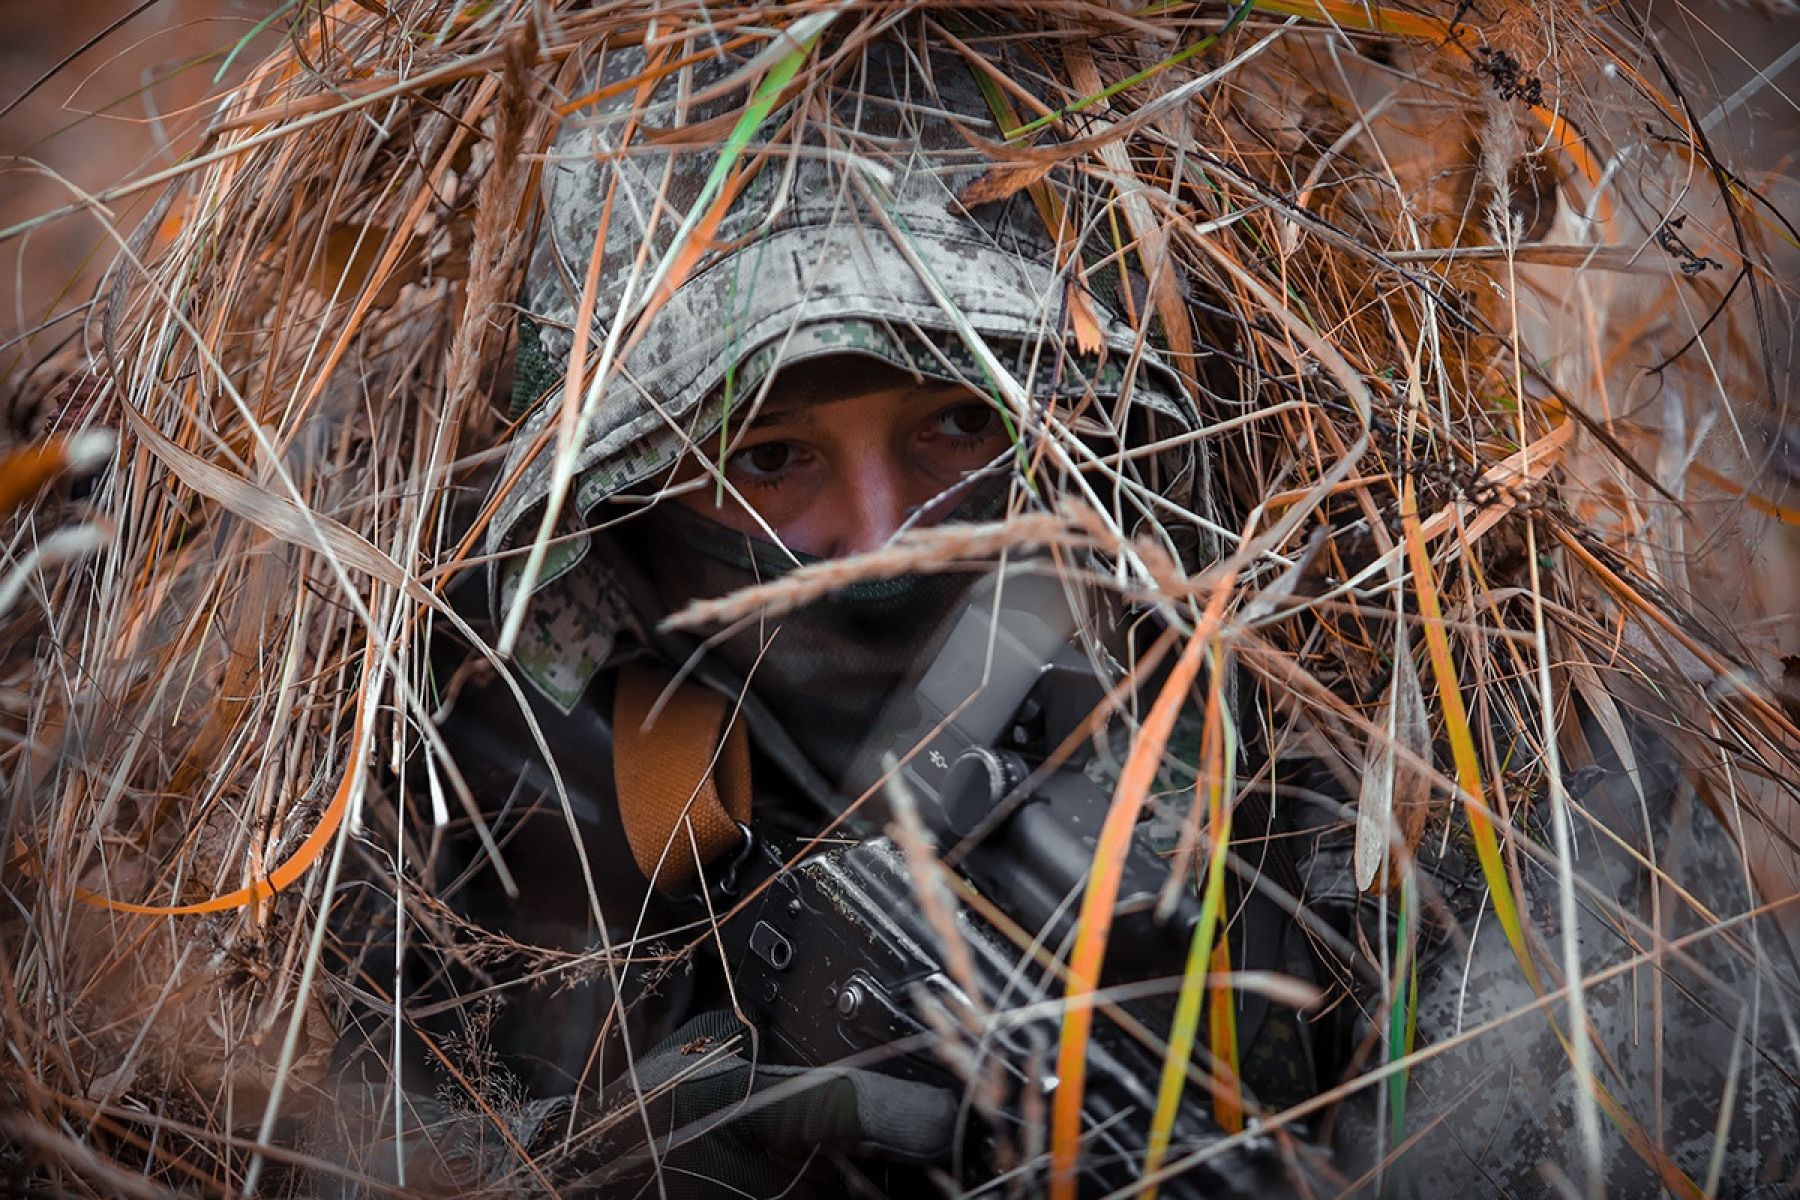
(725, 1125)
(441, 1151)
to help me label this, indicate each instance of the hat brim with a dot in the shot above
(765, 294)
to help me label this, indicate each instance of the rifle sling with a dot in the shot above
(681, 773)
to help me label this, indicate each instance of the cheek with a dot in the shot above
(946, 460)
(726, 512)
(702, 495)
(787, 508)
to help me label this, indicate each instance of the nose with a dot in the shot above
(876, 496)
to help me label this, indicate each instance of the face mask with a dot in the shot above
(826, 671)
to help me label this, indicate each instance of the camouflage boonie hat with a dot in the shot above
(845, 237)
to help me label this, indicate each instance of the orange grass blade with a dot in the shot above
(1095, 923)
(1373, 18)
(257, 890)
(1218, 754)
(1368, 18)
(652, 73)
(1228, 1100)
(1761, 503)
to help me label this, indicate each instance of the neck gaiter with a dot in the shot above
(828, 670)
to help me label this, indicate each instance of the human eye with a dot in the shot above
(765, 464)
(969, 424)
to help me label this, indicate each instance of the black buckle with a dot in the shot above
(728, 878)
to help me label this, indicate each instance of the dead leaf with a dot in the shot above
(1082, 321)
(1392, 803)
(1002, 181)
(1374, 813)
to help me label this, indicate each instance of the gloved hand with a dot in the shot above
(725, 1126)
(441, 1151)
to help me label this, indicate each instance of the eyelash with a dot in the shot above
(770, 483)
(762, 483)
(970, 441)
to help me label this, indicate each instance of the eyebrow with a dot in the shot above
(803, 414)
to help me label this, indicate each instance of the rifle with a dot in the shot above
(838, 961)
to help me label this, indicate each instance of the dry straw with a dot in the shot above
(1498, 348)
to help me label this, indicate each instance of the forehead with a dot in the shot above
(802, 392)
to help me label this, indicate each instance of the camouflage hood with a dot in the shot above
(852, 221)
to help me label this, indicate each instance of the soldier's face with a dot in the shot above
(843, 453)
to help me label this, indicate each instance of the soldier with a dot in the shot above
(862, 347)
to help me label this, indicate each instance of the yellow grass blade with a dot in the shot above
(1487, 846)
(1102, 892)
(1462, 741)
(1218, 754)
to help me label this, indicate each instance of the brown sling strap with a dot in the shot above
(690, 770)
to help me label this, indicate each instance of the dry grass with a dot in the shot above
(1503, 271)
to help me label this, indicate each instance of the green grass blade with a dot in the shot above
(1186, 1021)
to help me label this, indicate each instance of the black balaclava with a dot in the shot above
(826, 671)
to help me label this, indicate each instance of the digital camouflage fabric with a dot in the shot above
(865, 234)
